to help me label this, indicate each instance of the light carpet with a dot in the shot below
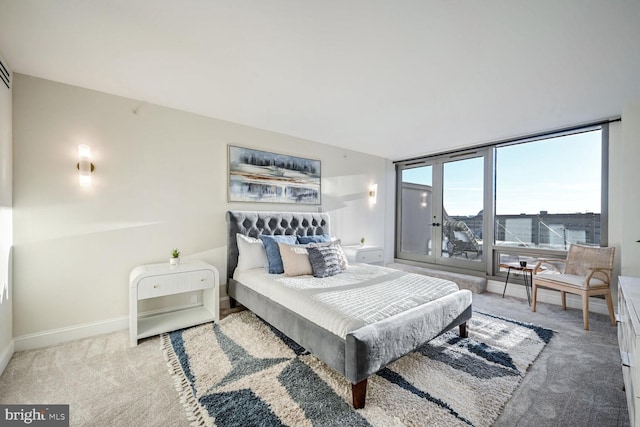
(243, 372)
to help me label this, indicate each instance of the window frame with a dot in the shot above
(493, 251)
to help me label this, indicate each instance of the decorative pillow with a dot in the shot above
(342, 257)
(319, 238)
(324, 260)
(251, 253)
(295, 259)
(273, 252)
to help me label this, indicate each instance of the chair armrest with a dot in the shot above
(550, 261)
(563, 260)
(599, 272)
(600, 268)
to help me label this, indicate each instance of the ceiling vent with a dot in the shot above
(5, 76)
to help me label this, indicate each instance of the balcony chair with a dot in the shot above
(586, 271)
(460, 239)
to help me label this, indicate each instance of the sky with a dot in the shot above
(558, 175)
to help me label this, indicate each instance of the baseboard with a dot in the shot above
(5, 357)
(70, 333)
(85, 330)
(548, 296)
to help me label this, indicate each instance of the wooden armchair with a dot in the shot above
(586, 271)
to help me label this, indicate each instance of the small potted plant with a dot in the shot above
(362, 241)
(174, 261)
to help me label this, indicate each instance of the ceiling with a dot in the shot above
(396, 79)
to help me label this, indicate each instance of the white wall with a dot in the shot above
(629, 201)
(6, 226)
(160, 182)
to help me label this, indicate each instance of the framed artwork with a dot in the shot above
(261, 176)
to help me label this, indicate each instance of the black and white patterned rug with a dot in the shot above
(243, 372)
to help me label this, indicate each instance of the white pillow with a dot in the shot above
(251, 253)
(295, 259)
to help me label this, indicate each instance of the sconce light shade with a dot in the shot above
(85, 167)
(373, 194)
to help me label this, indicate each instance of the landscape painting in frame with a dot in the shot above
(261, 176)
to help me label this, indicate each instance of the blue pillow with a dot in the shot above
(320, 238)
(273, 251)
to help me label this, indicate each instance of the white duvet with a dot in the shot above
(361, 295)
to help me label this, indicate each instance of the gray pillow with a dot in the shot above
(324, 261)
(342, 258)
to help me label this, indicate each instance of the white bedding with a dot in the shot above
(361, 295)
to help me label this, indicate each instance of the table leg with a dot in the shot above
(506, 281)
(527, 284)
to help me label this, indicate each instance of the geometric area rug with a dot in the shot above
(243, 372)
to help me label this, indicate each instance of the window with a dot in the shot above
(548, 192)
(517, 200)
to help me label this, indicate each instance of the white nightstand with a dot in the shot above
(157, 280)
(364, 254)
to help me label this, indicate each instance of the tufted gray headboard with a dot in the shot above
(253, 224)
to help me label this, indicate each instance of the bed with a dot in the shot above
(355, 348)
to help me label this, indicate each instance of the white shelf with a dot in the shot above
(166, 322)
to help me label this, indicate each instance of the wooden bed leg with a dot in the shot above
(232, 303)
(359, 393)
(463, 330)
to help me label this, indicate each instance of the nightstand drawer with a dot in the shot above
(201, 280)
(156, 286)
(168, 284)
(364, 254)
(370, 256)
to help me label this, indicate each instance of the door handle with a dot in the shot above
(435, 224)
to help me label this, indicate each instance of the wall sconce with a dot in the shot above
(85, 167)
(373, 194)
(424, 200)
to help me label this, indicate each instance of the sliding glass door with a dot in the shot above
(462, 209)
(417, 232)
(441, 205)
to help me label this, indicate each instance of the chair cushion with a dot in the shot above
(569, 280)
